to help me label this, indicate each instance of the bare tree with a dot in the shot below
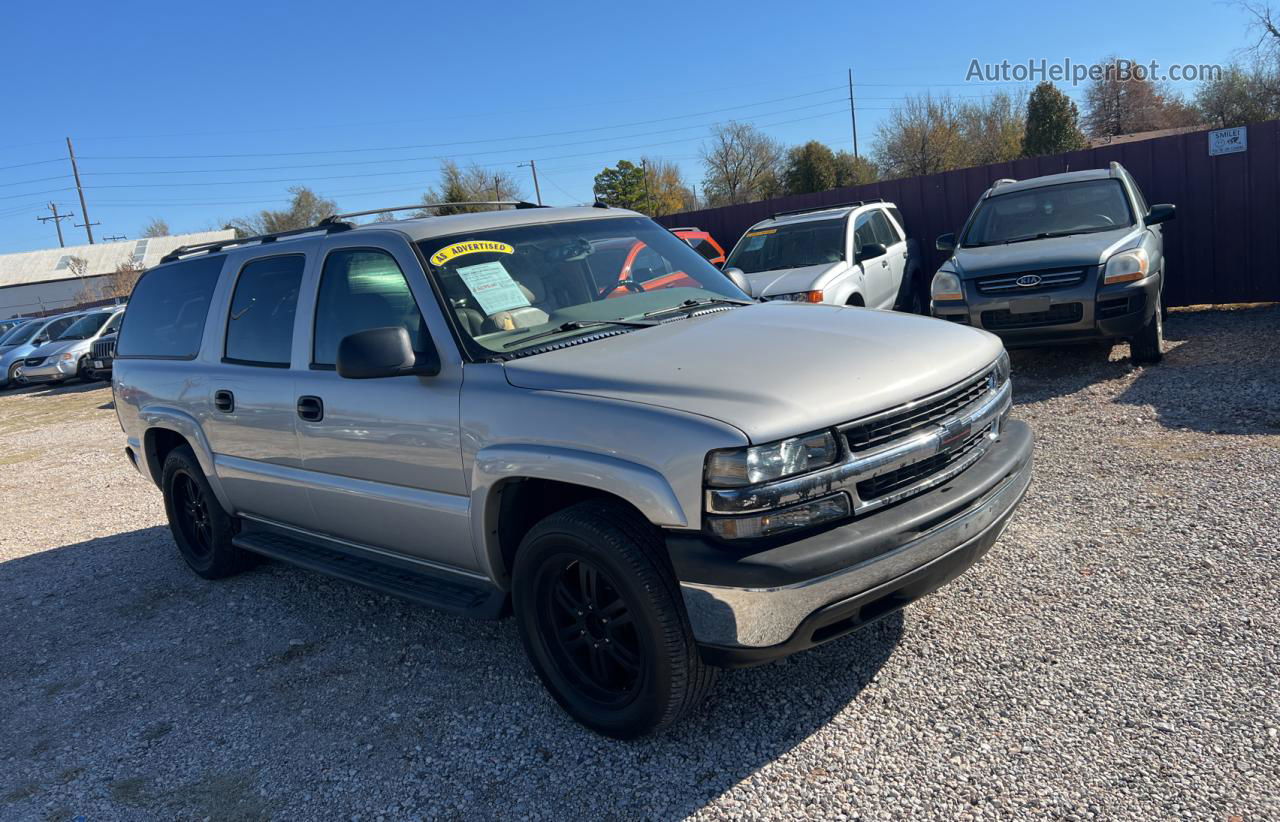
(1266, 24)
(742, 164)
(922, 136)
(476, 183)
(156, 228)
(1125, 101)
(306, 209)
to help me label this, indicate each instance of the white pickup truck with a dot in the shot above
(848, 254)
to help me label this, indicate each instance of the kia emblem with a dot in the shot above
(1029, 280)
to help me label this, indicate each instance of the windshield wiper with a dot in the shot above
(689, 305)
(577, 325)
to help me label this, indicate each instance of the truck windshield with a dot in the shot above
(520, 288)
(1051, 211)
(789, 246)
(85, 327)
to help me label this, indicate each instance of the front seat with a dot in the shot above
(534, 291)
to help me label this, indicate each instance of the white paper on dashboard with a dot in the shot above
(493, 287)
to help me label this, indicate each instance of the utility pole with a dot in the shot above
(533, 166)
(114, 237)
(644, 168)
(57, 221)
(84, 209)
(497, 191)
(853, 117)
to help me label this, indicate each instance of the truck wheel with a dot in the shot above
(200, 527)
(600, 615)
(1145, 345)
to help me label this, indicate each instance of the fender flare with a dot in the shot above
(643, 487)
(182, 423)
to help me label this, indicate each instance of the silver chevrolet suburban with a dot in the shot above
(568, 414)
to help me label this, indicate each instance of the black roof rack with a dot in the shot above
(329, 225)
(334, 218)
(261, 239)
(853, 204)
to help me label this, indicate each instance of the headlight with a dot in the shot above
(1126, 267)
(798, 297)
(1002, 369)
(735, 467)
(68, 356)
(946, 286)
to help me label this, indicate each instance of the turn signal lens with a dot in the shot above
(804, 515)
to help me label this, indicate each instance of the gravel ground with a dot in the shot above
(1116, 656)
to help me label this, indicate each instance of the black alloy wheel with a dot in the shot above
(592, 636)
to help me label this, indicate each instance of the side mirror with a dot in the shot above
(1162, 213)
(40, 341)
(739, 278)
(945, 242)
(872, 250)
(383, 352)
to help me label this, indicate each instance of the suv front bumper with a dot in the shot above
(1107, 312)
(747, 607)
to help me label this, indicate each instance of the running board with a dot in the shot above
(406, 579)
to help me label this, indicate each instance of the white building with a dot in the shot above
(35, 282)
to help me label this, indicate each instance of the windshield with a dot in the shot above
(85, 327)
(789, 246)
(18, 334)
(508, 286)
(1052, 211)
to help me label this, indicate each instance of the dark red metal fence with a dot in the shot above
(1224, 246)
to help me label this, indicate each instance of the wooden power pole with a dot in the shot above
(57, 221)
(84, 209)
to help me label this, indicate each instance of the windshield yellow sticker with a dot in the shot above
(450, 252)
(761, 232)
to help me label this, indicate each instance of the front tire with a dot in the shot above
(600, 615)
(200, 526)
(1145, 347)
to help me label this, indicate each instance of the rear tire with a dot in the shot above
(200, 526)
(601, 618)
(1145, 347)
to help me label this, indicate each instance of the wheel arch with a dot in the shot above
(168, 428)
(514, 487)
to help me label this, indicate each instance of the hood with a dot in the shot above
(55, 347)
(770, 369)
(791, 280)
(1052, 252)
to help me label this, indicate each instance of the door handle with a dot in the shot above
(224, 401)
(884, 263)
(311, 408)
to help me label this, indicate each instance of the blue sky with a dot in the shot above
(197, 113)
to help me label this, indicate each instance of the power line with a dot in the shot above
(57, 221)
(441, 157)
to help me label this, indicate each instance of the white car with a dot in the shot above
(849, 254)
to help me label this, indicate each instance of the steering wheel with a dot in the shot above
(1105, 217)
(629, 284)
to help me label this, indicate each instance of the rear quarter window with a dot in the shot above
(167, 310)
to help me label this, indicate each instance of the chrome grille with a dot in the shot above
(1048, 280)
(903, 420)
(103, 349)
(884, 484)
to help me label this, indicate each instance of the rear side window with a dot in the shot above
(260, 322)
(897, 215)
(362, 288)
(167, 310)
(886, 234)
(703, 247)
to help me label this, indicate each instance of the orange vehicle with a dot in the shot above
(701, 242)
(639, 268)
